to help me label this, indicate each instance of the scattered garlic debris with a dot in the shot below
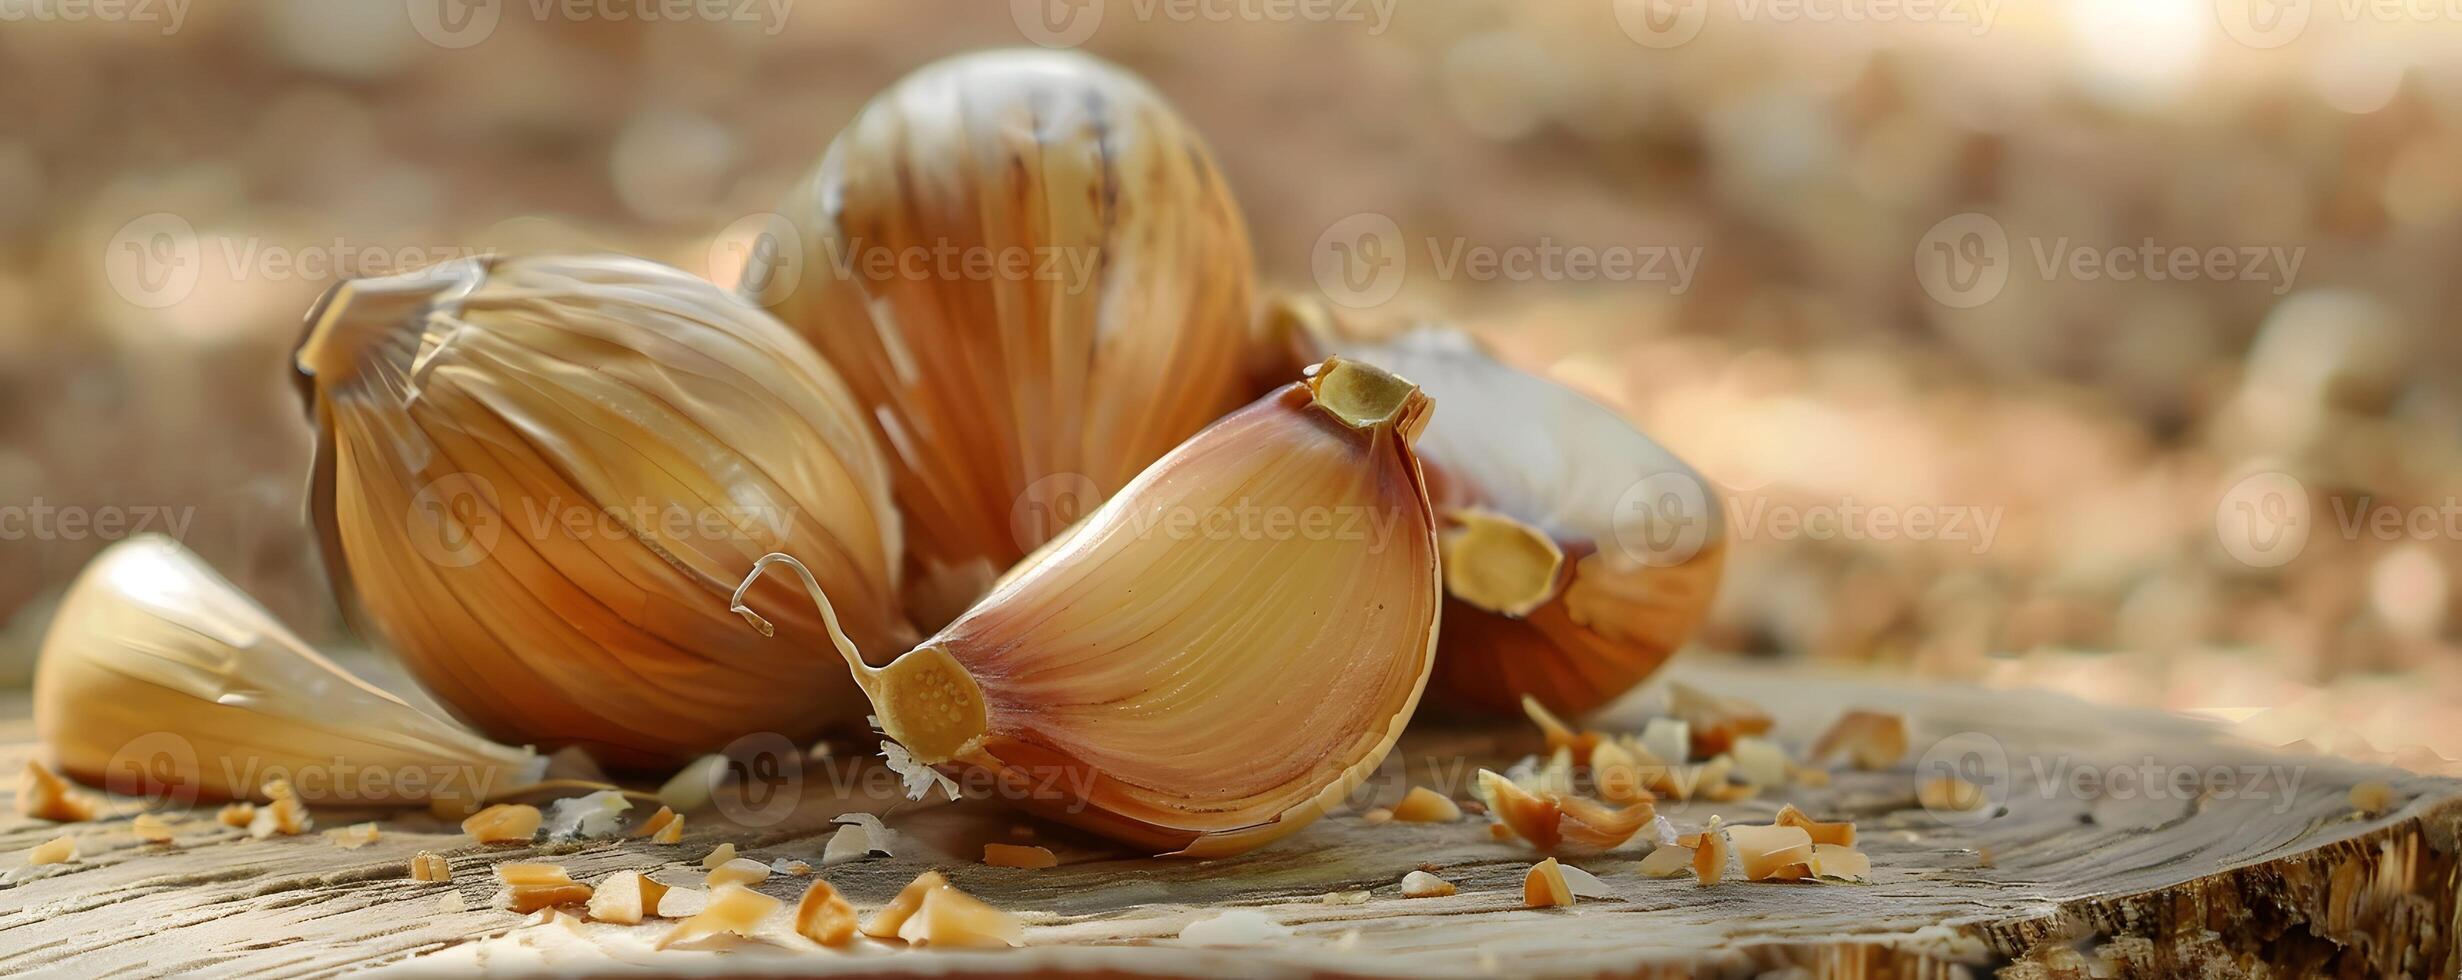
(1347, 898)
(45, 796)
(238, 815)
(1420, 884)
(353, 837)
(1424, 805)
(1499, 832)
(626, 897)
(450, 903)
(151, 828)
(1759, 761)
(1949, 793)
(1618, 774)
(1709, 853)
(2372, 797)
(504, 823)
(1714, 721)
(1871, 739)
(850, 843)
(655, 822)
(58, 850)
(790, 866)
(1765, 851)
(430, 866)
(531, 886)
(732, 908)
(689, 788)
(719, 855)
(598, 814)
(885, 922)
(1019, 856)
(739, 871)
(1583, 883)
(949, 917)
(1841, 833)
(1549, 820)
(1543, 886)
(285, 815)
(1667, 740)
(1559, 735)
(671, 832)
(1235, 927)
(1377, 815)
(824, 916)
(1836, 861)
(1667, 861)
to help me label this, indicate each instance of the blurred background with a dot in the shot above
(2107, 346)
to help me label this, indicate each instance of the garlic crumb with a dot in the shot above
(151, 828)
(504, 823)
(731, 909)
(58, 850)
(237, 815)
(738, 871)
(45, 796)
(1019, 856)
(1420, 884)
(719, 855)
(1543, 886)
(353, 837)
(431, 867)
(823, 916)
(1424, 805)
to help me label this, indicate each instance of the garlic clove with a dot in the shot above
(1579, 554)
(153, 656)
(1105, 325)
(535, 476)
(1201, 693)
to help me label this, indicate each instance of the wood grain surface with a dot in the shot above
(2252, 864)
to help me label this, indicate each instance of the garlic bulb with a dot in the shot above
(1029, 271)
(1578, 553)
(161, 679)
(1216, 655)
(538, 478)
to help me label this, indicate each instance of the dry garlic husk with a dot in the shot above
(1102, 323)
(160, 676)
(1579, 554)
(537, 478)
(1192, 692)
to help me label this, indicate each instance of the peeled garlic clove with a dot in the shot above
(1579, 554)
(1036, 282)
(536, 478)
(1193, 691)
(160, 677)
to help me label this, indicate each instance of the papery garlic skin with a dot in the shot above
(160, 679)
(1579, 553)
(1102, 325)
(537, 478)
(1169, 680)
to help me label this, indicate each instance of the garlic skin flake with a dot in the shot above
(153, 650)
(536, 478)
(1579, 554)
(1105, 324)
(1194, 693)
